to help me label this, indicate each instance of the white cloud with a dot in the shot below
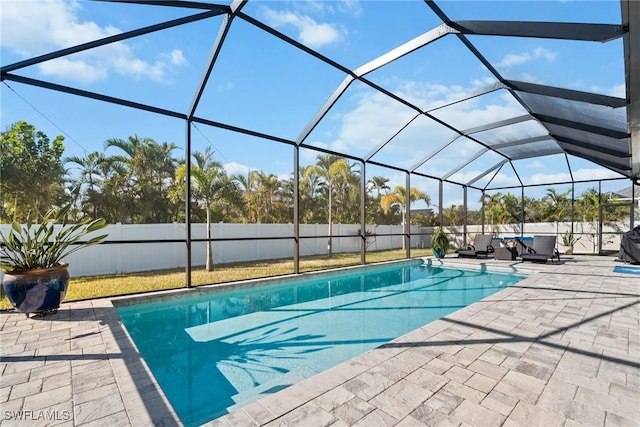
(310, 156)
(317, 35)
(586, 174)
(513, 59)
(536, 164)
(543, 178)
(315, 7)
(376, 118)
(618, 90)
(327, 8)
(529, 78)
(177, 57)
(225, 87)
(51, 25)
(502, 179)
(429, 95)
(310, 32)
(239, 169)
(234, 168)
(85, 73)
(138, 69)
(594, 174)
(350, 6)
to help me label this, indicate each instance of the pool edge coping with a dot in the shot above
(315, 386)
(137, 407)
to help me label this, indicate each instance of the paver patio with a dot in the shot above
(561, 347)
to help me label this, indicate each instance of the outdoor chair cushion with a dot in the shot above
(542, 249)
(481, 246)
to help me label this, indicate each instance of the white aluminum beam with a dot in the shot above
(465, 163)
(404, 49)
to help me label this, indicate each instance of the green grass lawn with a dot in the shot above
(104, 286)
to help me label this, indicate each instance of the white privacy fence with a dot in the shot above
(136, 257)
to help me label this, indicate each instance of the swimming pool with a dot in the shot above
(222, 349)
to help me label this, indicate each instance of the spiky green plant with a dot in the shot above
(36, 246)
(569, 239)
(440, 240)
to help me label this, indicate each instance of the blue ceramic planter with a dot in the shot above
(37, 291)
(438, 253)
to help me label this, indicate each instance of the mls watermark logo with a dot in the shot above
(40, 415)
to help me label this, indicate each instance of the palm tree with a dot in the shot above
(378, 183)
(347, 198)
(331, 170)
(211, 187)
(500, 208)
(150, 172)
(557, 205)
(268, 189)
(88, 182)
(589, 204)
(99, 187)
(453, 215)
(309, 189)
(399, 198)
(248, 185)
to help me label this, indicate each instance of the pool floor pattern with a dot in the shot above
(562, 347)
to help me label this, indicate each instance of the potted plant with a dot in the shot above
(35, 279)
(569, 240)
(439, 243)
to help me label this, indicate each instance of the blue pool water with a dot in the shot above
(626, 269)
(228, 348)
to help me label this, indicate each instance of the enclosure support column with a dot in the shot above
(633, 206)
(573, 205)
(482, 216)
(187, 207)
(631, 19)
(363, 213)
(522, 213)
(296, 207)
(407, 215)
(599, 232)
(440, 197)
(464, 217)
(213, 55)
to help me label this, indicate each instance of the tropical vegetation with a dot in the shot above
(144, 181)
(138, 180)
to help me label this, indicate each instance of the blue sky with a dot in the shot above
(266, 85)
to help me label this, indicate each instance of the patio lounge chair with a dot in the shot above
(481, 246)
(542, 249)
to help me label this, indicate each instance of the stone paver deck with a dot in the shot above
(561, 347)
